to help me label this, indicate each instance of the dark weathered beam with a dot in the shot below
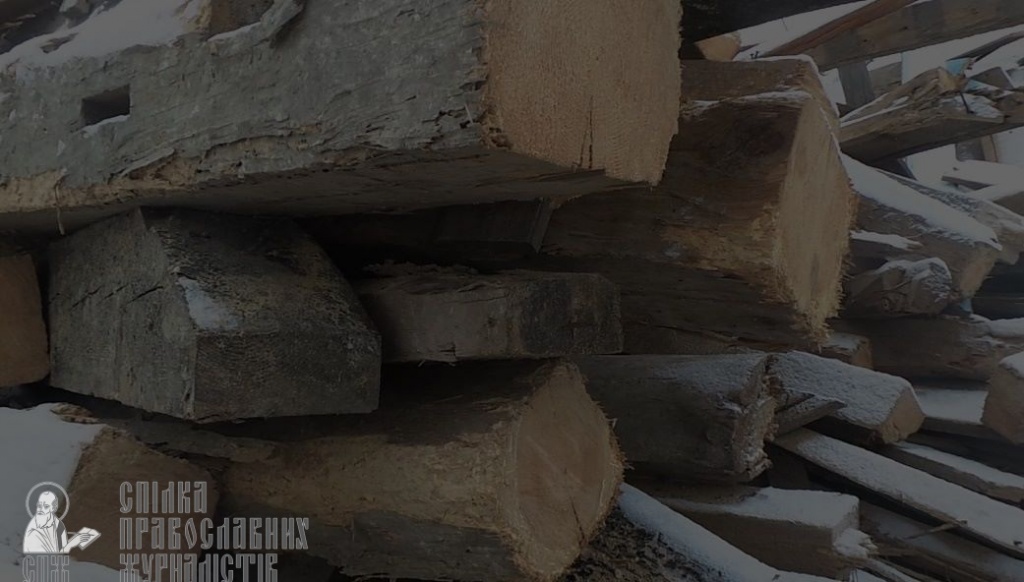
(916, 26)
(705, 18)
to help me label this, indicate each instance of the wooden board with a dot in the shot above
(990, 520)
(962, 471)
(1004, 406)
(23, 343)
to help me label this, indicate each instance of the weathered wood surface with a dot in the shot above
(340, 137)
(702, 419)
(1004, 406)
(848, 348)
(23, 342)
(722, 48)
(941, 347)
(172, 312)
(995, 522)
(643, 540)
(500, 471)
(954, 410)
(941, 554)
(748, 262)
(61, 444)
(704, 18)
(932, 110)
(848, 22)
(879, 408)
(965, 472)
(1007, 224)
(900, 288)
(918, 25)
(448, 316)
(814, 532)
(968, 247)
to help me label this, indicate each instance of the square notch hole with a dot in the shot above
(107, 105)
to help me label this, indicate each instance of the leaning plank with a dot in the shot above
(942, 347)
(862, 16)
(879, 408)
(172, 312)
(23, 342)
(930, 111)
(941, 554)
(990, 520)
(449, 316)
(500, 472)
(962, 471)
(966, 246)
(978, 174)
(127, 130)
(1004, 406)
(1007, 224)
(643, 540)
(59, 444)
(900, 288)
(1009, 196)
(814, 532)
(918, 25)
(998, 454)
(701, 418)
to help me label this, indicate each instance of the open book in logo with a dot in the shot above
(46, 533)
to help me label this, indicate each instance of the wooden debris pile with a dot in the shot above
(688, 334)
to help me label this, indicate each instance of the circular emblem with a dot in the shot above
(32, 498)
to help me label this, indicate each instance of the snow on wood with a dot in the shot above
(900, 288)
(892, 242)
(661, 544)
(60, 444)
(967, 348)
(23, 340)
(701, 418)
(991, 520)
(954, 411)
(1007, 224)
(849, 348)
(941, 554)
(450, 316)
(1004, 406)
(965, 472)
(968, 247)
(879, 408)
(814, 532)
(1009, 196)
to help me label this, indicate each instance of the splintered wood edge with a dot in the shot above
(602, 94)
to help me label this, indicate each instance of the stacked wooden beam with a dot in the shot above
(498, 305)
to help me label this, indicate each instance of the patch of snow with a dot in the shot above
(697, 543)
(982, 471)
(205, 311)
(959, 406)
(991, 173)
(129, 23)
(91, 130)
(1006, 328)
(844, 341)
(938, 217)
(849, 118)
(1014, 364)
(41, 447)
(821, 509)
(892, 240)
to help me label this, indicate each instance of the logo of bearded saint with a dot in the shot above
(47, 504)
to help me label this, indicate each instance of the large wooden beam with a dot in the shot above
(706, 18)
(455, 120)
(863, 15)
(918, 25)
(930, 111)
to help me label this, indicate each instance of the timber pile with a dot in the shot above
(477, 331)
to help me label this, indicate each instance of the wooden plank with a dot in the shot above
(879, 408)
(848, 22)
(930, 111)
(900, 288)
(699, 418)
(938, 553)
(643, 540)
(462, 131)
(423, 488)
(976, 174)
(23, 341)
(705, 19)
(968, 247)
(965, 472)
(502, 228)
(170, 311)
(886, 78)
(814, 532)
(856, 84)
(724, 47)
(848, 348)
(954, 411)
(918, 25)
(990, 520)
(1004, 406)
(430, 314)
